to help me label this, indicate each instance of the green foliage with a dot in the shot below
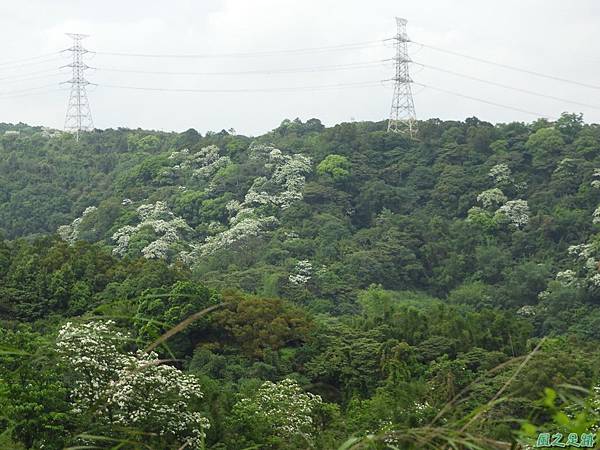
(257, 325)
(336, 166)
(403, 282)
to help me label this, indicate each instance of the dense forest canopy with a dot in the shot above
(340, 287)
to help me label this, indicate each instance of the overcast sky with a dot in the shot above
(555, 37)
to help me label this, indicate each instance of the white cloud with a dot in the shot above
(546, 36)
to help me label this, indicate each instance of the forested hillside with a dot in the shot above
(338, 286)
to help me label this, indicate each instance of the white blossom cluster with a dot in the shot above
(287, 178)
(511, 212)
(492, 198)
(203, 164)
(238, 233)
(130, 390)
(587, 269)
(596, 215)
(501, 174)
(148, 395)
(91, 350)
(70, 233)
(514, 212)
(595, 404)
(587, 256)
(567, 277)
(162, 221)
(302, 273)
(584, 251)
(527, 310)
(290, 175)
(281, 189)
(284, 407)
(208, 161)
(594, 281)
(566, 166)
(596, 179)
(179, 154)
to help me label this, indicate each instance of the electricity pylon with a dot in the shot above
(79, 115)
(402, 116)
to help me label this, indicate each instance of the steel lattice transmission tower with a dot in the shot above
(402, 116)
(79, 115)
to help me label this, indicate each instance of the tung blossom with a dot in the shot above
(596, 215)
(567, 277)
(284, 408)
(492, 198)
(514, 212)
(249, 218)
(208, 161)
(302, 273)
(70, 233)
(501, 174)
(596, 182)
(162, 221)
(239, 233)
(129, 390)
(587, 261)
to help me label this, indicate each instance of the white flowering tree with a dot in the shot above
(587, 265)
(70, 233)
(149, 396)
(596, 216)
(497, 208)
(208, 161)
(265, 198)
(167, 227)
(94, 359)
(286, 181)
(302, 273)
(130, 390)
(202, 164)
(501, 174)
(586, 256)
(278, 413)
(584, 272)
(595, 183)
(236, 236)
(492, 198)
(514, 212)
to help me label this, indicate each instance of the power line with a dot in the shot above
(27, 89)
(349, 66)
(481, 100)
(507, 66)
(28, 94)
(32, 63)
(78, 98)
(506, 86)
(19, 76)
(10, 62)
(341, 47)
(17, 80)
(248, 90)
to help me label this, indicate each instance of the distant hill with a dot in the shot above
(359, 204)
(350, 286)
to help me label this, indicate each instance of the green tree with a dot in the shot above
(336, 166)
